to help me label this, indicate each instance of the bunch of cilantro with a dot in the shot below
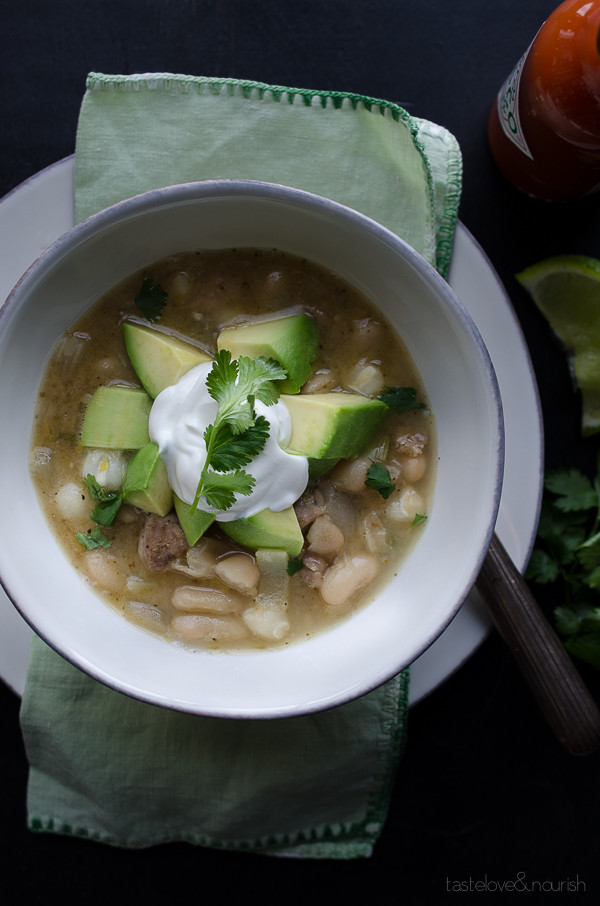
(567, 554)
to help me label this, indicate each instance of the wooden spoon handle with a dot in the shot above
(561, 694)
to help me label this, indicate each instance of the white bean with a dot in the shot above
(200, 600)
(324, 537)
(239, 571)
(347, 576)
(103, 570)
(197, 626)
(413, 468)
(143, 613)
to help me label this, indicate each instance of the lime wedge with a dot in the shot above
(566, 289)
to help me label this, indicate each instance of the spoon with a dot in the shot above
(562, 696)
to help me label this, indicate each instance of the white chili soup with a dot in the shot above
(234, 448)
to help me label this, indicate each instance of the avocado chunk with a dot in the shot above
(318, 467)
(193, 522)
(159, 359)
(267, 529)
(290, 339)
(146, 484)
(117, 418)
(332, 426)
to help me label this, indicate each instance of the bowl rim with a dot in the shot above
(180, 193)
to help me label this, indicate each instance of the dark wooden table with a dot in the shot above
(484, 790)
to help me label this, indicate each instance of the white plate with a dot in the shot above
(41, 209)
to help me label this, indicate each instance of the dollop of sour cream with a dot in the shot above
(178, 419)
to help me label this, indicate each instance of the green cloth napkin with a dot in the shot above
(119, 771)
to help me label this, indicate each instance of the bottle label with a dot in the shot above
(508, 108)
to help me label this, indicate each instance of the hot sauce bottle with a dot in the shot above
(544, 129)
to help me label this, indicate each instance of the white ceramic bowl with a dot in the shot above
(411, 612)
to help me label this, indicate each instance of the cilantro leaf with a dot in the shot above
(93, 539)
(586, 647)
(151, 299)
(561, 532)
(219, 488)
(401, 399)
(108, 502)
(588, 554)
(542, 568)
(419, 517)
(572, 489)
(567, 621)
(378, 477)
(230, 451)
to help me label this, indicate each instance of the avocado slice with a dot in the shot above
(332, 426)
(193, 522)
(117, 418)
(290, 339)
(267, 529)
(146, 483)
(159, 359)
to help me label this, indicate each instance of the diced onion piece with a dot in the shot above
(324, 537)
(201, 560)
(366, 379)
(267, 617)
(107, 466)
(267, 620)
(405, 506)
(322, 381)
(135, 584)
(72, 502)
(350, 475)
(374, 533)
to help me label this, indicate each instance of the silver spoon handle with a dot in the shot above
(554, 680)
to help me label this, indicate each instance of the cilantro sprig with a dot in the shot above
(567, 554)
(237, 434)
(108, 503)
(93, 539)
(104, 513)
